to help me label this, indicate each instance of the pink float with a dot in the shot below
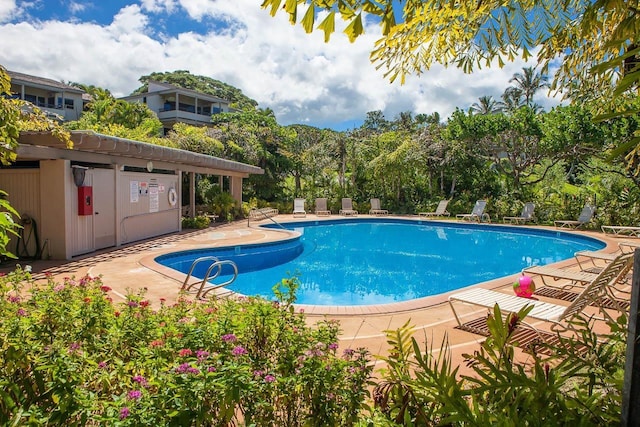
(524, 287)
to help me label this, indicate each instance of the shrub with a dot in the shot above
(69, 356)
(198, 222)
(580, 383)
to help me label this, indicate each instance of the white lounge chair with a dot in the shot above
(558, 315)
(477, 214)
(582, 276)
(298, 208)
(585, 217)
(347, 207)
(375, 208)
(621, 230)
(321, 207)
(441, 210)
(525, 216)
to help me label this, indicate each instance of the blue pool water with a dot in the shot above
(361, 262)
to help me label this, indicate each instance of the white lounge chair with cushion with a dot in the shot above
(525, 216)
(558, 315)
(477, 214)
(441, 210)
(585, 217)
(347, 207)
(375, 208)
(321, 207)
(298, 208)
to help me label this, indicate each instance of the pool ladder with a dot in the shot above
(203, 289)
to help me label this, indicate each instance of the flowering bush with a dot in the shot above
(68, 355)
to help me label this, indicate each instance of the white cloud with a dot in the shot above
(7, 9)
(301, 78)
(157, 6)
(76, 7)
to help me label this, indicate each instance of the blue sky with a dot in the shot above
(112, 43)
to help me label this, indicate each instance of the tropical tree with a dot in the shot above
(595, 43)
(117, 117)
(297, 151)
(254, 137)
(528, 83)
(485, 105)
(375, 121)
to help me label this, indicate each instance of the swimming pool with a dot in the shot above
(363, 261)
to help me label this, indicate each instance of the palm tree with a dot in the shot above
(486, 105)
(511, 100)
(529, 82)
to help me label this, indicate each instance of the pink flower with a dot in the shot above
(132, 304)
(124, 413)
(239, 351)
(59, 288)
(134, 394)
(105, 288)
(14, 299)
(333, 346)
(140, 380)
(229, 338)
(202, 354)
(102, 365)
(186, 368)
(269, 378)
(21, 312)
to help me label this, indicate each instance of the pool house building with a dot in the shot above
(103, 192)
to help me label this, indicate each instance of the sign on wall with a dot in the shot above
(134, 192)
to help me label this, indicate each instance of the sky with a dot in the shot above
(112, 43)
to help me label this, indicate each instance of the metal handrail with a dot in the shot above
(256, 211)
(203, 291)
(186, 287)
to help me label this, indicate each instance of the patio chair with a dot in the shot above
(621, 230)
(321, 207)
(582, 276)
(525, 216)
(585, 217)
(477, 214)
(441, 210)
(347, 207)
(298, 208)
(559, 316)
(375, 208)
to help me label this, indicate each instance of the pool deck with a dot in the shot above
(130, 268)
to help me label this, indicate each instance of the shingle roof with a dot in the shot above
(41, 81)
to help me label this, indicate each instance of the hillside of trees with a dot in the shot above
(508, 151)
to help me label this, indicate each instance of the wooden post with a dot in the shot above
(631, 389)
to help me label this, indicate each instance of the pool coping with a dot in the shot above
(148, 261)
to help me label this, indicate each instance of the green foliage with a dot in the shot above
(186, 80)
(198, 222)
(580, 383)
(120, 118)
(69, 356)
